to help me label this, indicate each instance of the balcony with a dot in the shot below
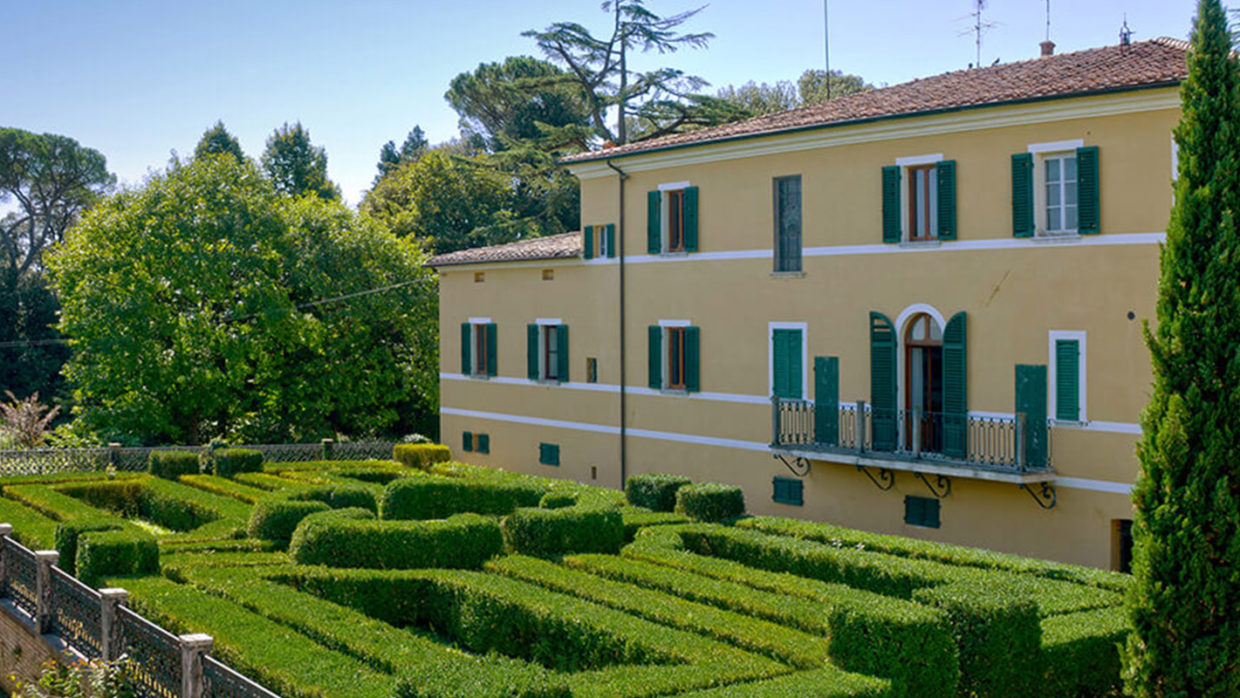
(1000, 449)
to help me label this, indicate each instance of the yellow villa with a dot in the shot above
(915, 310)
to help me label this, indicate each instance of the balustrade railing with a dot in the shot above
(989, 442)
(134, 459)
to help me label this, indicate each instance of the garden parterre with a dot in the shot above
(421, 577)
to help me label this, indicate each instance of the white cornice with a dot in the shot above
(1000, 116)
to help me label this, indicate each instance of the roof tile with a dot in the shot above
(566, 245)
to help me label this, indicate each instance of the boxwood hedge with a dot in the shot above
(463, 540)
(227, 462)
(556, 531)
(172, 464)
(710, 501)
(654, 491)
(125, 552)
(436, 497)
(276, 519)
(420, 455)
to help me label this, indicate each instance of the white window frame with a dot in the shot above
(664, 349)
(770, 355)
(665, 190)
(906, 226)
(542, 323)
(1052, 395)
(473, 348)
(600, 247)
(1041, 152)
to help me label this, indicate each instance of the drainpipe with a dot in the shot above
(624, 437)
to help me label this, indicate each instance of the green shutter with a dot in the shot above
(588, 234)
(827, 400)
(946, 172)
(561, 345)
(492, 354)
(611, 240)
(1067, 379)
(654, 222)
(1087, 208)
(693, 351)
(883, 417)
(549, 454)
(655, 356)
(955, 388)
(1031, 401)
(1022, 195)
(484, 443)
(531, 351)
(785, 490)
(691, 219)
(467, 441)
(891, 204)
(786, 345)
(467, 335)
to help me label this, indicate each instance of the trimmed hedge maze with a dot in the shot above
(424, 578)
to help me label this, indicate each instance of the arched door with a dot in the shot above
(923, 371)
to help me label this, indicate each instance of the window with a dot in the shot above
(1055, 190)
(547, 351)
(921, 511)
(788, 491)
(549, 454)
(479, 339)
(599, 241)
(787, 362)
(1121, 544)
(548, 275)
(591, 369)
(788, 224)
(674, 356)
(467, 442)
(482, 443)
(1067, 376)
(672, 219)
(480, 277)
(919, 199)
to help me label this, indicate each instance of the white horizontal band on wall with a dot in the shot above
(1068, 482)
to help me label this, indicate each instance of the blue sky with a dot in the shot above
(139, 79)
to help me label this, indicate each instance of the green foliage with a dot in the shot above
(414, 147)
(557, 500)
(276, 519)
(219, 485)
(171, 465)
(436, 496)
(478, 678)
(521, 99)
(217, 140)
(295, 166)
(655, 491)
(227, 462)
(211, 262)
(827, 682)
(69, 532)
(341, 496)
(81, 679)
(421, 455)
(1081, 652)
(1183, 605)
(710, 501)
(563, 530)
(111, 553)
(816, 87)
(30, 528)
(463, 540)
(32, 360)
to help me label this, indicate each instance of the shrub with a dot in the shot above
(339, 496)
(69, 532)
(655, 491)
(555, 531)
(230, 488)
(464, 540)
(481, 677)
(557, 500)
(276, 519)
(997, 633)
(348, 513)
(1081, 652)
(230, 461)
(171, 465)
(710, 501)
(420, 456)
(106, 553)
(827, 682)
(436, 496)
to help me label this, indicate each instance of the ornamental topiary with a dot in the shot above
(655, 491)
(420, 455)
(710, 501)
(276, 519)
(569, 530)
(230, 461)
(116, 553)
(172, 464)
(436, 496)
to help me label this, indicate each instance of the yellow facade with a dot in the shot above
(1014, 291)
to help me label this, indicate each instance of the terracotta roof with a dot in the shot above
(563, 246)
(1148, 63)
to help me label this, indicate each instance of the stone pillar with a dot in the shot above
(193, 647)
(43, 589)
(329, 448)
(109, 628)
(114, 455)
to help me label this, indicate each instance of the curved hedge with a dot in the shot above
(655, 491)
(710, 501)
(461, 541)
(276, 519)
(437, 496)
(565, 530)
(342, 496)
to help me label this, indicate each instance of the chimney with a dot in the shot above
(1048, 48)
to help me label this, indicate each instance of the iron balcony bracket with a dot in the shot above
(799, 466)
(885, 480)
(1046, 496)
(941, 487)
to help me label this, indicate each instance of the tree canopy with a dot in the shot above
(1185, 601)
(217, 140)
(295, 166)
(414, 146)
(206, 304)
(523, 99)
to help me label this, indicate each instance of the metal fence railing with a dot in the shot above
(998, 443)
(42, 461)
(96, 624)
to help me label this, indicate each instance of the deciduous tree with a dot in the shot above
(216, 140)
(1185, 601)
(414, 147)
(295, 166)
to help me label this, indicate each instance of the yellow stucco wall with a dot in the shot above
(1014, 293)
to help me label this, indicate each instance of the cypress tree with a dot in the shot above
(1185, 601)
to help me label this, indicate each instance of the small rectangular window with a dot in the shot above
(675, 341)
(482, 443)
(600, 235)
(480, 276)
(551, 352)
(480, 350)
(788, 491)
(549, 454)
(675, 238)
(1060, 181)
(788, 223)
(923, 203)
(548, 275)
(467, 442)
(1121, 531)
(591, 369)
(921, 511)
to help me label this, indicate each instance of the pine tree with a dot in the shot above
(1185, 602)
(217, 139)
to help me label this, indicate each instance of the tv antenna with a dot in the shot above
(979, 28)
(1048, 20)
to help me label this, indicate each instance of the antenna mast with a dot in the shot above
(826, 45)
(1048, 20)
